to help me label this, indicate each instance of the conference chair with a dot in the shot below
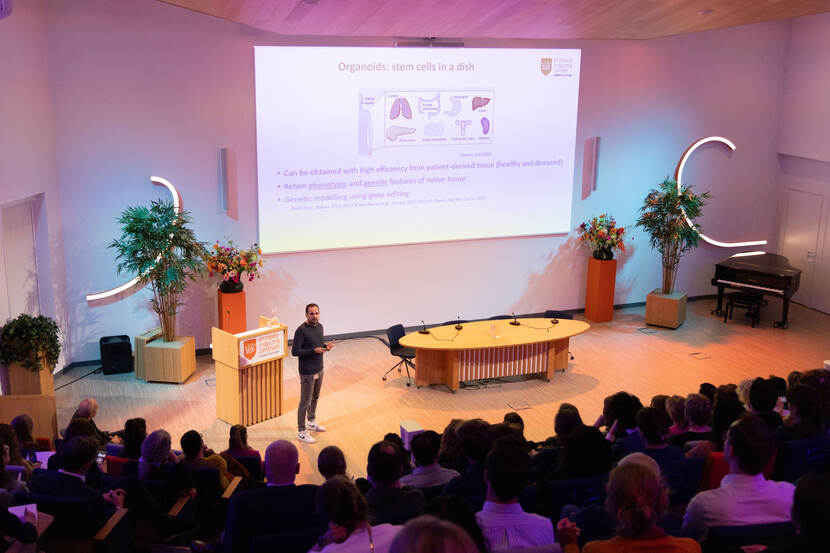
(406, 355)
(798, 457)
(723, 539)
(554, 314)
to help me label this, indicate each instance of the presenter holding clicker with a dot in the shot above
(309, 348)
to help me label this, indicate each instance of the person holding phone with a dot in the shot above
(309, 347)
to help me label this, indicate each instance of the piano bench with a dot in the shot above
(743, 300)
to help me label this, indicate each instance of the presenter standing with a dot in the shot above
(309, 348)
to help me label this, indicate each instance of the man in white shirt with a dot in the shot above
(503, 522)
(428, 473)
(744, 497)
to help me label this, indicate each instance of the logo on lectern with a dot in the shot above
(547, 65)
(250, 348)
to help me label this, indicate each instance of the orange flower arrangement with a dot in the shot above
(232, 262)
(603, 234)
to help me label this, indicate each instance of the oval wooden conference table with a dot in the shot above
(491, 349)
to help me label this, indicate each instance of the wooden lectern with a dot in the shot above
(249, 372)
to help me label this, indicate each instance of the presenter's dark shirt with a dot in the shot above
(306, 338)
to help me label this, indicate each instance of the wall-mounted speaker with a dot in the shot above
(589, 166)
(223, 180)
(116, 354)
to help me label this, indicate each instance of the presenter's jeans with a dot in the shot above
(309, 394)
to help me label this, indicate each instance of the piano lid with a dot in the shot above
(767, 263)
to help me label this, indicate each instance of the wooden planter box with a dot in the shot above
(668, 310)
(23, 381)
(169, 361)
(599, 291)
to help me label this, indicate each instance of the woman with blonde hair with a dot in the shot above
(636, 499)
(428, 534)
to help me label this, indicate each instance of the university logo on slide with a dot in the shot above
(547, 65)
(250, 348)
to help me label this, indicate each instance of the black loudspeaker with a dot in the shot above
(116, 354)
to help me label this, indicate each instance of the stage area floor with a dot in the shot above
(358, 408)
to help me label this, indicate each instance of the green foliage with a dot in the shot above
(25, 339)
(157, 245)
(662, 217)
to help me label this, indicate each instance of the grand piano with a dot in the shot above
(767, 274)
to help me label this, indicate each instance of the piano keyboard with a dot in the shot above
(750, 286)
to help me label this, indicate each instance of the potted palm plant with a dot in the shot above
(668, 216)
(29, 349)
(157, 245)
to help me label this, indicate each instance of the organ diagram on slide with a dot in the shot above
(405, 118)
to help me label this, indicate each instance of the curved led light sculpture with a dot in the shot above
(177, 205)
(678, 173)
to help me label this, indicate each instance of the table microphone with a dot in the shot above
(554, 321)
(423, 330)
(515, 321)
(458, 325)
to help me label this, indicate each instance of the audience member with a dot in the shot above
(793, 378)
(636, 499)
(280, 507)
(457, 510)
(743, 391)
(347, 512)
(654, 428)
(805, 420)
(238, 443)
(8, 485)
(23, 426)
(586, 453)
(135, 431)
(811, 512)
(88, 409)
(676, 409)
(196, 454)
(427, 472)
(406, 455)
(389, 501)
(24, 531)
(726, 410)
(502, 520)
(744, 496)
(451, 456)
(158, 462)
(79, 454)
(566, 419)
(708, 389)
(698, 413)
(659, 402)
(427, 534)
(475, 437)
(8, 437)
(517, 421)
(780, 385)
(819, 379)
(621, 423)
(763, 396)
(331, 462)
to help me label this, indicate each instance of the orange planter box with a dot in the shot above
(599, 292)
(232, 317)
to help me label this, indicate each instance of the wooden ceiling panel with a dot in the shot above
(500, 19)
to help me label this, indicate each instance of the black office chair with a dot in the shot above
(554, 314)
(394, 334)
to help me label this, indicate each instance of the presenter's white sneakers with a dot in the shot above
(316, 426)
(304, 437)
